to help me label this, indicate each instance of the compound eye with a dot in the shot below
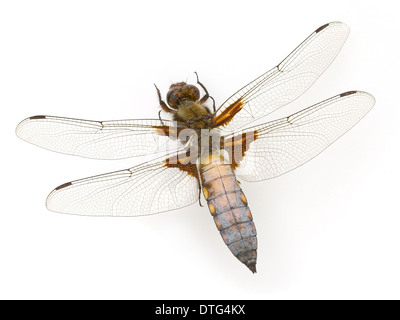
(192, 92)
(173, 98)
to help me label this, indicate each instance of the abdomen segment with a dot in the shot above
(228, 206)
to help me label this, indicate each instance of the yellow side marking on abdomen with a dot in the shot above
(205, 192)
(211, 208)
(243, 198)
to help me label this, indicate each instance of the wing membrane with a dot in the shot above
(285, 82)
(280, 146)
(98, 139)
(149, 188)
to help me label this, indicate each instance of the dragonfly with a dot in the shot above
(206, 150)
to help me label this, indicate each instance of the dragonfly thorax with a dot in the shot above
(192, 112)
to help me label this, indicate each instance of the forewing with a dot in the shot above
(100, 139)
(277, 147)
(149, 188)
(285, 82)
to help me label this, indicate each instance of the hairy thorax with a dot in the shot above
(194, 114)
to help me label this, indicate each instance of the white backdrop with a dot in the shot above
(329, 229)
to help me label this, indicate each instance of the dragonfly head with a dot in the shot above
(180, 92)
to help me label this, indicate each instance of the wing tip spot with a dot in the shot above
(37, 117)
(63, 186)
(322, 28)
(347, 93)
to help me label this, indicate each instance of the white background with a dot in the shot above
(330, 229)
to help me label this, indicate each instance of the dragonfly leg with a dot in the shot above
(206, 95)
(200, 195)
(159, 117)
(198, 180)
(163, 105)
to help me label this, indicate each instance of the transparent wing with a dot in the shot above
(149, 188)
(277, 147)
(99, 139)
(285, 82)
